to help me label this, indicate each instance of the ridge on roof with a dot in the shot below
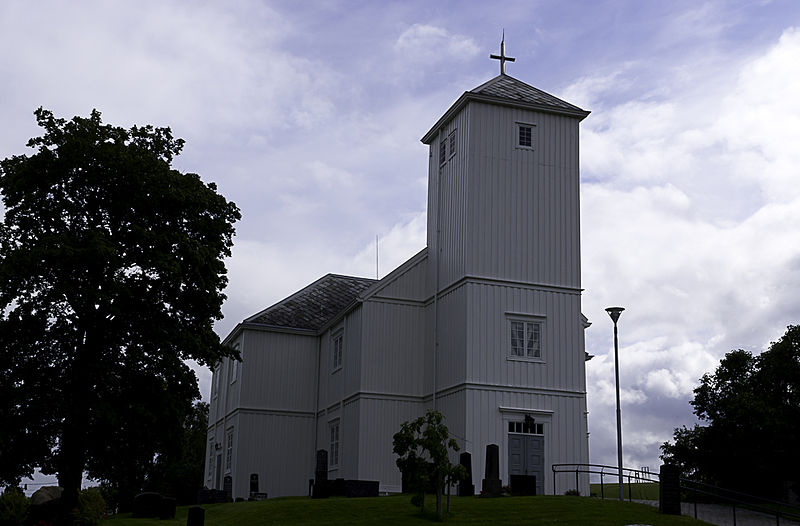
(506, 87)
(312, 307)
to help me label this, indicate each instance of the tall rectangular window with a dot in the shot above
(442, 151)
(337, 344)
(234, 366)
(526, 338)
(229, 449)
(210, 458)
(217, 378)
(452, 141)
(333, 458)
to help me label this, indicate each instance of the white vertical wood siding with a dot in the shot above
(279, 371)
(525, 220)
(454, 213)
(279, 448)
(565, 432)
(562, 366)
(408, 285)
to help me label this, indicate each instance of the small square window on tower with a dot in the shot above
(526, 135)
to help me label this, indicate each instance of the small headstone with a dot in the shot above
(147, 504)
(253, 483)
(167, 508)
(196, 517)
(227, 487)
(321, 486)
(492, 486)
(465, 487)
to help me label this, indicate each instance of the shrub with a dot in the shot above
(573, 492)
(91, 507)
(13, 507)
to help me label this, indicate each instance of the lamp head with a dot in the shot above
(614, 312)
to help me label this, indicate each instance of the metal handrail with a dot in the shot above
(734, 498)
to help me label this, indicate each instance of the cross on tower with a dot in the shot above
(502, 56)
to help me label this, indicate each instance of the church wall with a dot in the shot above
(449, 179)
(336, 384)
(410, 285)
(279, 371)
(564, 431)
(393, 348)
(277, 447)
(525, 224)
(489, 360)
(452, 328)
(380, 418)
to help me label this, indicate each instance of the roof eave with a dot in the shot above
(488, 99)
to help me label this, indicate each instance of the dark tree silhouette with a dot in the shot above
(751, 410)
(111, 275)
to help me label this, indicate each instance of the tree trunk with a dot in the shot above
(439, 496)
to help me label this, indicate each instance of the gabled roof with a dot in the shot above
(505, 87)
(508, 91)
(314, 306)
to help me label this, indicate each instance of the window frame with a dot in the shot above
(334, 443)
(234, 366)
(518, 127)
(452, 144)
(228, 450)
(211, 448)
(525, 319)
(442, 151)
(337, 354)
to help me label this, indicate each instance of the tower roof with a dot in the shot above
(505, 90)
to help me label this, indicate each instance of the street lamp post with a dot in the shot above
(614, 312)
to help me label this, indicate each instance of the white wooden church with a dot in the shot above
(484, 324)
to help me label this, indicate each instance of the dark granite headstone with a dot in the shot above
(492, 487)
(196, 517)
(465, 487)
(147, 504)
(321, 489)
(211, 496)
(227, 487)
(669, 490)
(166, 510)
(522, 485)
(361, 488)
(253, 483)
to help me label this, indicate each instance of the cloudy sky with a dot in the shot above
(308, 115)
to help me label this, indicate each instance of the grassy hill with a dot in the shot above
(397, 510)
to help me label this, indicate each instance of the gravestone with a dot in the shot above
(227, 487)
(321, 489)
(196, 517)
(45, 505)
(166, 509)
(492, 487)
(465, 487)
(253, 484)
(147, 504)
(669, 490)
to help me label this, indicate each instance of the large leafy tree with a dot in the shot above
(111, 276)
(749, 409)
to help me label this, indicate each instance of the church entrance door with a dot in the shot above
(525, 461)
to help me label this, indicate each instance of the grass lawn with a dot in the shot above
(386, 511)
(638, 491)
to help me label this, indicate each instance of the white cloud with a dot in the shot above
(690, 214)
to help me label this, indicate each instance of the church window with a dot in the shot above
(217, 377)
(452, 142)
(442, 152)
(337, 343)
(526, 339)
(234, 366)
(526, 428)
(333, 458)
(210, 458)
(526, 135)
(229, 450)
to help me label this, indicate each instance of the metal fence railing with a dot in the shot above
(692, 492)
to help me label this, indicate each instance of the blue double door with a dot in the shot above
(525, 460)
